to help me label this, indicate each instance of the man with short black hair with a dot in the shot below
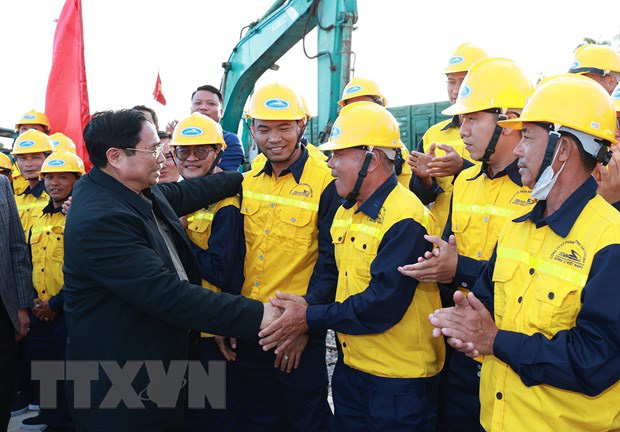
(149, 114)
(131, 279)
(208, 100)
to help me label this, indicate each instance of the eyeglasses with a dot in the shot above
(155, 152)
(200, 151)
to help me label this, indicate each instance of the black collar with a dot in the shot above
(296, 168)
(455, 122)
(374, 203)
(35, 191)
(562, 220)
(50, 209)
(512, 171)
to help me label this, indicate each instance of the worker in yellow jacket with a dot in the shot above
(364, 89)
(48, 332)
(386, 377)
(30, 150)
(216, 233)
(441, 153)
(288, 204)
(484, 198)
(29, 120)
(545, 312)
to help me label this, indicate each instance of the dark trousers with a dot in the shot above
(274, 401)
(209, 419)
(29, 389)
(48, 341)
(362, 404)
(459, 398)
(8, 366)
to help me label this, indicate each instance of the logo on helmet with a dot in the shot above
(56, 163)
(191, 131)
(354, 89)
(456, 60)
(55, 143)
(595, 125)
(336, 132)
(465, 91)
(27, 143)
(574, 65)
(29, 117)
(277, 104)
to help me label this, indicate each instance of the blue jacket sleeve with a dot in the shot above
(483, 288)
(328, 205)
(233, 156)
(57, 302)
(386, 299)
(222, 263)
(427, 196)
(584, 359)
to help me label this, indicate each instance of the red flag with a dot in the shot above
(66, 101)
(158, 94)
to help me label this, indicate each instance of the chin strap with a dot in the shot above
(551, 143)
(297, 144)
(398, 162)
(352, 196)
(217, 160)
(497, 132)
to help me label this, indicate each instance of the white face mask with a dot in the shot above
(547, 180)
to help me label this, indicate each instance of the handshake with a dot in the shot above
(468, 326)
(283, 327)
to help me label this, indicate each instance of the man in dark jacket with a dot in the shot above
(16, 295)
(132, 286)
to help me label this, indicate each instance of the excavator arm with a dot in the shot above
(269, 38)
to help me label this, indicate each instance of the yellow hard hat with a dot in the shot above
(361, 87)
(276, 102)
(463, 57)
(62, 161)
(572, 101)
(60, 141)
(32, 141)
(364, 124)
(304, 106)
(615, 97)
(492, 82)
(596, 59)
(5, 162)
(33, 117)
(198, 129)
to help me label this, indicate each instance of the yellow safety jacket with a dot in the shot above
(407, 349)
(30, 206)
(280, 226)
(404, 178)
(481, 206)
(20, 184)
(445, 132)
(198, 230)
(47, 247)
(539, 279)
